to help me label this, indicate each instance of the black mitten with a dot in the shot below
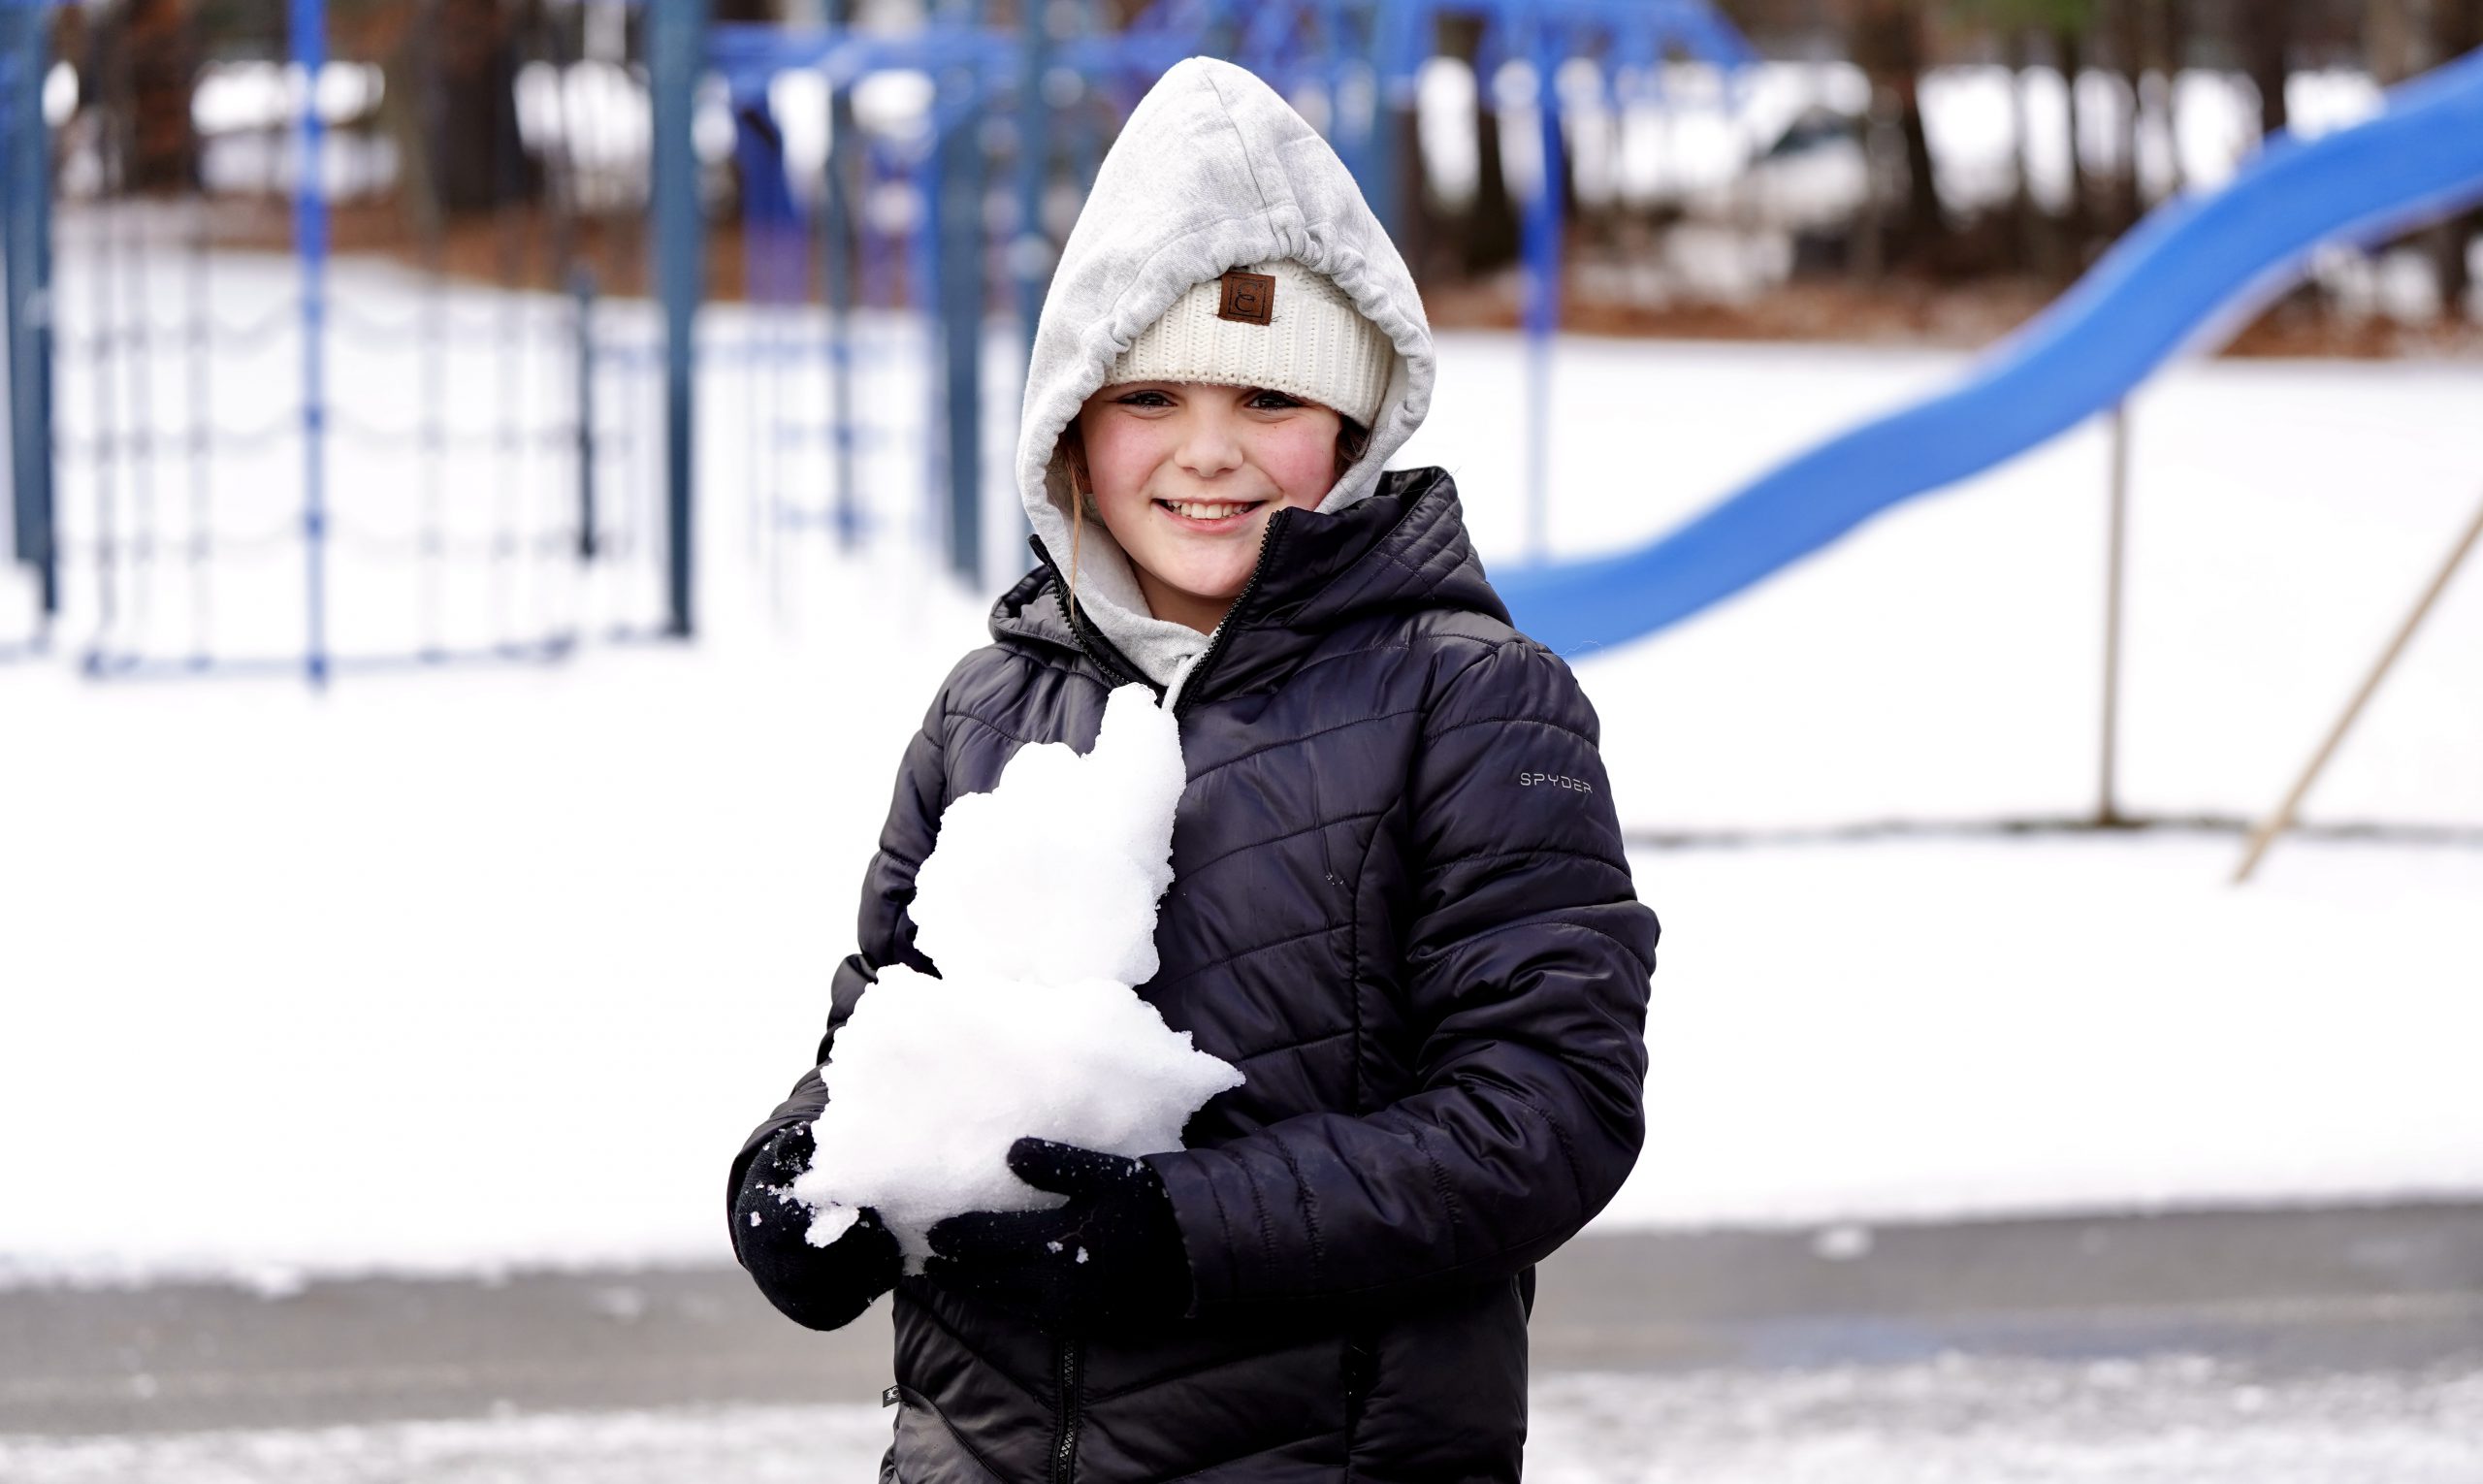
(1112, 1255)
(820, 1287)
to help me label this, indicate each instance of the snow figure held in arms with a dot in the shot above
(1031, 1026)
(1410, 988)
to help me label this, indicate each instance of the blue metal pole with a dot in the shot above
(1390, 104)
(1030, 255)
(1542, 248)
(676, 44)
(1086, 146)
(837, 220)
(38, 212)
(582, 305)
(1403, 35)
(27, 166)
(13, 69)
(307, 27)
(958, 176)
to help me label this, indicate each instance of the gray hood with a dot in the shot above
(1212, 172)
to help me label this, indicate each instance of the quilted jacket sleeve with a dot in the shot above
(1526, 968)
(884, 934)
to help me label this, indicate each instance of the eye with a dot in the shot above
(1264, 400)
(1144, 397)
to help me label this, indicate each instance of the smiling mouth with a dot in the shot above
(1209, 512)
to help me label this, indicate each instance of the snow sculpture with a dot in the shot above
(1038, 906)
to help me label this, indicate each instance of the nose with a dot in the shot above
(1211, 442)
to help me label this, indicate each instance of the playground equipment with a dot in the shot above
(1038, 101)
(2188, 274)
(883, 254)
(25, 238)
(2281, 818)
(227, 463)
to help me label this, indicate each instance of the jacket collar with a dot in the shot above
(1405, 547)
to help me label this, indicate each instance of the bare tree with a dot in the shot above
(2456, 28)
(2047, 244)
(162, 58)
(2391, 41)
(2069, 55)
(2129, 39)
(138, 58)
(1889, 45)
(2169, 34)
(1491, 226)
(475, 161)
(2037, 244)
(2264, 38)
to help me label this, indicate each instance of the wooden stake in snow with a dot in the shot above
(2282, 819)
(2107, 809)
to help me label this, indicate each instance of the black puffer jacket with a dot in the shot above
(1401, 907)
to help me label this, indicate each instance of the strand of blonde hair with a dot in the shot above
(1077, 535)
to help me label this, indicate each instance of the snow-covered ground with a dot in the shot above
(1932, 1027)
(495, 966)
(1955, 1421)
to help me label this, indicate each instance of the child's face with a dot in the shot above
(1186, 475)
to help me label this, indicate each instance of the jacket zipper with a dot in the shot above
(1064, 1449)
(1268, 544)
(1097, 649)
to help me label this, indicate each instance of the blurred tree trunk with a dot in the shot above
(2170, 35)
(2024, 216)
(163, 62)
(2389, 40)
(2031, 226)
(138, 63)
(476, 162)
(1491, 225)
(1889, 48)
(1419, 227)
(411, 112)
(2456, 28)
(2266, 43)
(2069, 53)
(1548, 94)
(2130, 58)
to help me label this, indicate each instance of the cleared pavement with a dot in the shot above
(2282, 1296)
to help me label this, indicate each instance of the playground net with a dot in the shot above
(328, 384)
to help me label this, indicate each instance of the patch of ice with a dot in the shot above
(273, 1281)
(2177, 1420)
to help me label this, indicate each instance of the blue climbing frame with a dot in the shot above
(675, 33)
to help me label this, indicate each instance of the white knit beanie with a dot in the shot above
(1276, 325)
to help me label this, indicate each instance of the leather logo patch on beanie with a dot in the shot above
(1249, 299)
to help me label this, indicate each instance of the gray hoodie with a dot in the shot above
(1212, 172)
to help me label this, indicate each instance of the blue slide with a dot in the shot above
(2192, 271)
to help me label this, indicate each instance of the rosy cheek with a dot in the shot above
(1119, 462)
(1304, 467)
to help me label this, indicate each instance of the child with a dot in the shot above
(1400, 905)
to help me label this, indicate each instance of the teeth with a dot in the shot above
(1198, 510)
